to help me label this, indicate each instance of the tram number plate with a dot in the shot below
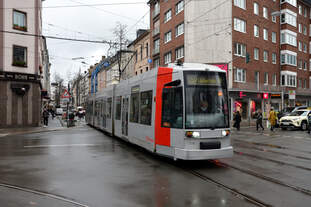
(210, 145)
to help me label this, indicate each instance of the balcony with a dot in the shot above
(155, 51)
(156, 31)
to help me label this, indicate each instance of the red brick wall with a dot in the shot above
(252, 42)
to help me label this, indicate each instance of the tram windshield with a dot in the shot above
(206, 100)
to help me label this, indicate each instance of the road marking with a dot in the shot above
(62, 145)
(3, 135)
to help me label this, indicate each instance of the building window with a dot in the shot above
(309, 64)
(288, 59)
(145, 107)
(156, 48)
(239, 25)
(273, 58)
(179, 53)
(305, 30)
(288, 79)
(19, 56)
(141, 52)
(305, 65)
(266, 79)
(147, 50)
(240, 49)
(239, 75)
(273, 37)
(265, 56)
(167, 16)
(156, 62)
(256, 31)
(179, 7)
(288, 37)
(168, 58)
(299, 64)
(265, 12)
(292, 2)
(305, 12)
(288, 18)
(240, 3)
(167, 37)
(265, 34)
(305, 48)
(256, 53)
(300, 9)
(256, 8)
(299, 28)
(299, 83)
(19, 20)
(180, 29)
(299, 45)
(274, 79)
(274, 19)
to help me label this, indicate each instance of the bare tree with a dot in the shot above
(120, 43)
(59, 84)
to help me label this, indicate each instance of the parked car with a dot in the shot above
(296, 119)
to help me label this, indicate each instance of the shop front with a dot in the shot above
(247, 103)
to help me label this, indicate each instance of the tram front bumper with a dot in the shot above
(187, 154)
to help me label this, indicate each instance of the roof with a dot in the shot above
(139, 38)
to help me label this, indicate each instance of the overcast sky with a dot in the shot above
(87, 22)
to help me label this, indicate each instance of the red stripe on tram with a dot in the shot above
(162, 134)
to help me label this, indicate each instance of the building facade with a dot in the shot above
(20, 63)
(264, 46)
(141, 47)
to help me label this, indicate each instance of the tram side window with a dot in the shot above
(109, 102)
(104, 108)
(172, 108)
(118, 108)
(145, 107)
(134, 113)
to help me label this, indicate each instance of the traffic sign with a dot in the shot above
(65, 94)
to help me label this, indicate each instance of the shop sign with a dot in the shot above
(292, 94)
(12, 76)
(275, 96)
(242, 94)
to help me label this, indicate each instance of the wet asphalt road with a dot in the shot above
(83, 167)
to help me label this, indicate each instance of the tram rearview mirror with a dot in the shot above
(173, 83)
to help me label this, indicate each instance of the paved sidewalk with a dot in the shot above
(54, 124)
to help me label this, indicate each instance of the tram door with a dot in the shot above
(125, 116)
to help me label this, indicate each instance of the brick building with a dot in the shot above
(273, 34)
(21, 63)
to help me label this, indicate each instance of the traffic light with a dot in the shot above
(247, 58)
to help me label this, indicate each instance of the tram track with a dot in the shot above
(260, 176)
(271, 151)
(271, 145)
(235, 192)
(45, 194)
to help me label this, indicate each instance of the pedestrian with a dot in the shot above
(259, 120)
(272, 119)
(45, 117)
(237, 119)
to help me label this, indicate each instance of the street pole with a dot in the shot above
(67, 117)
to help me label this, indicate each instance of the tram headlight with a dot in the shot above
(225, 133)
(191, 134)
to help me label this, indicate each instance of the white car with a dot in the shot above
(296, 119)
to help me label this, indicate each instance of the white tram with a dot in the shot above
(179, 111)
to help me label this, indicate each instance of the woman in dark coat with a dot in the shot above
(237, 119)
(259, 120)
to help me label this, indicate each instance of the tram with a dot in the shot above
(179, 111)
